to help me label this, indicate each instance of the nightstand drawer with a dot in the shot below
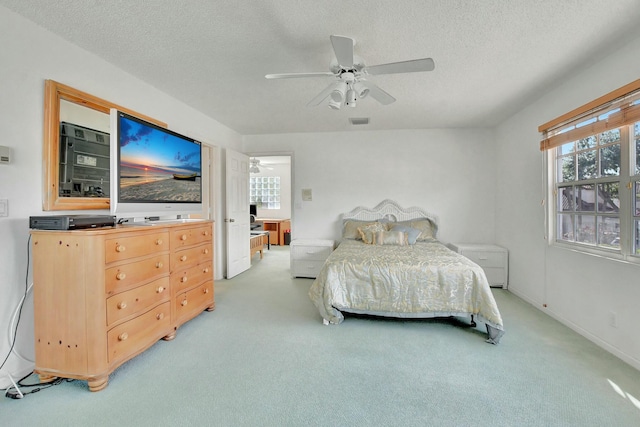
(496, 276)
(309, 253)
(493, 259)
(307, 268)
(486, 259)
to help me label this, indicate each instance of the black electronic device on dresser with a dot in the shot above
(71, 222)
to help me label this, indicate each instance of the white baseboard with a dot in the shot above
(578, 329)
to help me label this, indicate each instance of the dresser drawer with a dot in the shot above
(191, 276)
(189, 304)
(486, 259)
(137, 334)
(137, 300)
(191, 236)
(187, 257)
(307, 268)
(127, 276)
(123, 247)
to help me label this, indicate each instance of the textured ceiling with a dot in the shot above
(492, 57)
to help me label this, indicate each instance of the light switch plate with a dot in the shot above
(306, 195)
(4, 207)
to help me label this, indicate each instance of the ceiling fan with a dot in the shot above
(255, 165)
(350, 72)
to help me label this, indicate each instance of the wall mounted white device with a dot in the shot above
(5, 154)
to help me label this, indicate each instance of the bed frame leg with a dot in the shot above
(473, 322)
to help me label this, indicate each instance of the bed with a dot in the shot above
(390, 263)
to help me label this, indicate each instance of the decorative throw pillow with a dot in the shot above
(427, 228)
(350, 228)
(393, 237)
(412, 233)
(367, 232)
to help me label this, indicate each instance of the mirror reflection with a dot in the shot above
(84, 152)
(76, 148)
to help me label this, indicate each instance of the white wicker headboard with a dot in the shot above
(391, 210)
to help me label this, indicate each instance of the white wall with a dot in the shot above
(579, 290)
(30, 55)
(449, 172)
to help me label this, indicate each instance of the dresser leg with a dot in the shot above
(211, 307)
(169, 337)
(99, 383)
(44, 378)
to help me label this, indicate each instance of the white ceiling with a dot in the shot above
(492, 56)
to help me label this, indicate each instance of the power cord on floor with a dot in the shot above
(15, 393)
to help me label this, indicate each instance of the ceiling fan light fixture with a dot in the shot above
(335, 105)
(351, 98)
(254, 169)
(360, 89)
(339, 92)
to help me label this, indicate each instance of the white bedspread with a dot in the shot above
(422, 280)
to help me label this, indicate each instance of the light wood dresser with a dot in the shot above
(103, 296)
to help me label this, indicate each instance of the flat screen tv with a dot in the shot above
(155, 173)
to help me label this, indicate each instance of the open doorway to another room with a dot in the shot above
(270, 198)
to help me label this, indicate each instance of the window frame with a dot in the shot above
(628, 195)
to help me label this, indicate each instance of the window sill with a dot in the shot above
(612, 255)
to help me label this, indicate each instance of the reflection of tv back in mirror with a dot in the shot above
(84, 161)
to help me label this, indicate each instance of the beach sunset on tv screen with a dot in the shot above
(157, 165)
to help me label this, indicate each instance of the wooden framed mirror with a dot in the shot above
(62, 101)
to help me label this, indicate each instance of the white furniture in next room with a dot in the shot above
(308, 256)
(493, 259)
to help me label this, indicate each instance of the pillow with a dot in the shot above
(393, 237)
(367, 232)
(412, 233)
(350, 228)
(427, 228)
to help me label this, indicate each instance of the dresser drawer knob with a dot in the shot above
(121, 248)
(205, 270)
(184, 302)
(160, 316)
(159, 265)
(123, 336)
(205, 233)
(160, 289)
(205, 291)
(183, 258)
(158, 242)
(205, 251)
(183, 279)
(121, 305)
(121, 276)
(183, 237)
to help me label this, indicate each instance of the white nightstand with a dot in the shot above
(308, 256)
(493, 259)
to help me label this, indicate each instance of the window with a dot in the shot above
(594, 153)
(264, 191)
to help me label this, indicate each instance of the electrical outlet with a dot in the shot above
(613, 319)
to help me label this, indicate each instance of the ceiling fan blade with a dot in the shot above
(343, 48)
(298, 75)
(378, 94)
(414, 65)
(322, 95)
